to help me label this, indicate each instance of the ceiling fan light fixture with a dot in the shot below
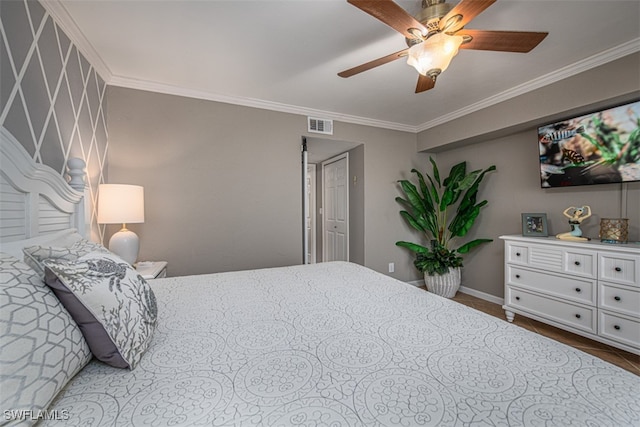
(435, 53)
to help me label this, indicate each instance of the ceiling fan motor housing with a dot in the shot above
(430, 14)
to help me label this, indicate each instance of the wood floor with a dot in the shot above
(621, 358)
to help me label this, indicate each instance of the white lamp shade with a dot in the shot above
(435, 53)
(120, 204)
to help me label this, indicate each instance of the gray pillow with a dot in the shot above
(113, 305)
(41, 347)
(34, 256)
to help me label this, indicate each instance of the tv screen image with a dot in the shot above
(597, 148)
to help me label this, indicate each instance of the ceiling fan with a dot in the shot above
(436, 33)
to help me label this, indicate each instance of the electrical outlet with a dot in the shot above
(392, 267)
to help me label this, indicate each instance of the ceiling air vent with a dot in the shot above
(320, 126)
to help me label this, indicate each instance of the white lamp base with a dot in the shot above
(125, 244)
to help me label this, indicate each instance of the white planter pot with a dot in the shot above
(445, 285)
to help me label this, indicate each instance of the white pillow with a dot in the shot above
(64, 238)
(41, 347)
(34, 256)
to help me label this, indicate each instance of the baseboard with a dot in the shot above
(482, 295)
(478, 294)
(416, 283)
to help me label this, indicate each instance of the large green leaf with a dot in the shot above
(467, 210)
(423, 185)
(463, 185)
(469, 180)
(413, 197)
(464, 220)
(456, 174)
(426, 193)
(436, 174)
(455, 183)
(434, 193)
(415, 223)
(472, 244)
(403, 202)
(424, 221)
(419, 249)
(469, 198)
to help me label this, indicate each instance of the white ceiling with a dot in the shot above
(285, 54)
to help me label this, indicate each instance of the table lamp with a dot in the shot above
(122, 204)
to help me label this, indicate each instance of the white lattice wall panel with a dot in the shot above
(51, 98)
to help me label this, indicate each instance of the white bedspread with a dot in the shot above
(337, 344)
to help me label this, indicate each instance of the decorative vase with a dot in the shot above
(614, 230)
(446, 285)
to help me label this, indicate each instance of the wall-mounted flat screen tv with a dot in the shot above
(598, 148)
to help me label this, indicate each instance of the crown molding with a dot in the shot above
(61, 16)
(601, 58)
(255, 103)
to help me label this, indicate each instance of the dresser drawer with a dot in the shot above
(572, 288)
(618, 328)
(580, 263)
(517, 254)
(619, 299)
(577, 316)
(619, 268)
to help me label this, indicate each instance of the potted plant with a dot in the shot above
(442, 212)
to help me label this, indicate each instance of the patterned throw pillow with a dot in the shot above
(113, 305)
(41, 347)
(34, 256)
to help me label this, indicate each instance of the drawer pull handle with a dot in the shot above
(517, 298)
(577, 262)
(517, 276)
(578, 316)
(578, 290)
(618, 269)
(517, 253)
(616, 327)
(617, 298)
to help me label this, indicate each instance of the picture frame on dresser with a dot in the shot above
(535, 225)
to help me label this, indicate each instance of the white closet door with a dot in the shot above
(335, 174)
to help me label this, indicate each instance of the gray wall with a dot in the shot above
(51, 98)
(506, 135)
(223, 182)
(356, 204)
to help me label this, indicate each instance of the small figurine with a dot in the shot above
(576, 216)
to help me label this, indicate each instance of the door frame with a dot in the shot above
(310, 211)
(345, 156)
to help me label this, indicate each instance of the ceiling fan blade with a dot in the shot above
(462, 13)
(391, 14)
(372, 64)
(503, 41)
(424, 83)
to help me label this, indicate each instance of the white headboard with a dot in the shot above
(35, 200)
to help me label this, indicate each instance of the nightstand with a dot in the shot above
(152, 269)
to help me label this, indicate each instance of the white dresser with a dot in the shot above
(590, 288)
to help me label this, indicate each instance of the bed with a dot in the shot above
(324, 344)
